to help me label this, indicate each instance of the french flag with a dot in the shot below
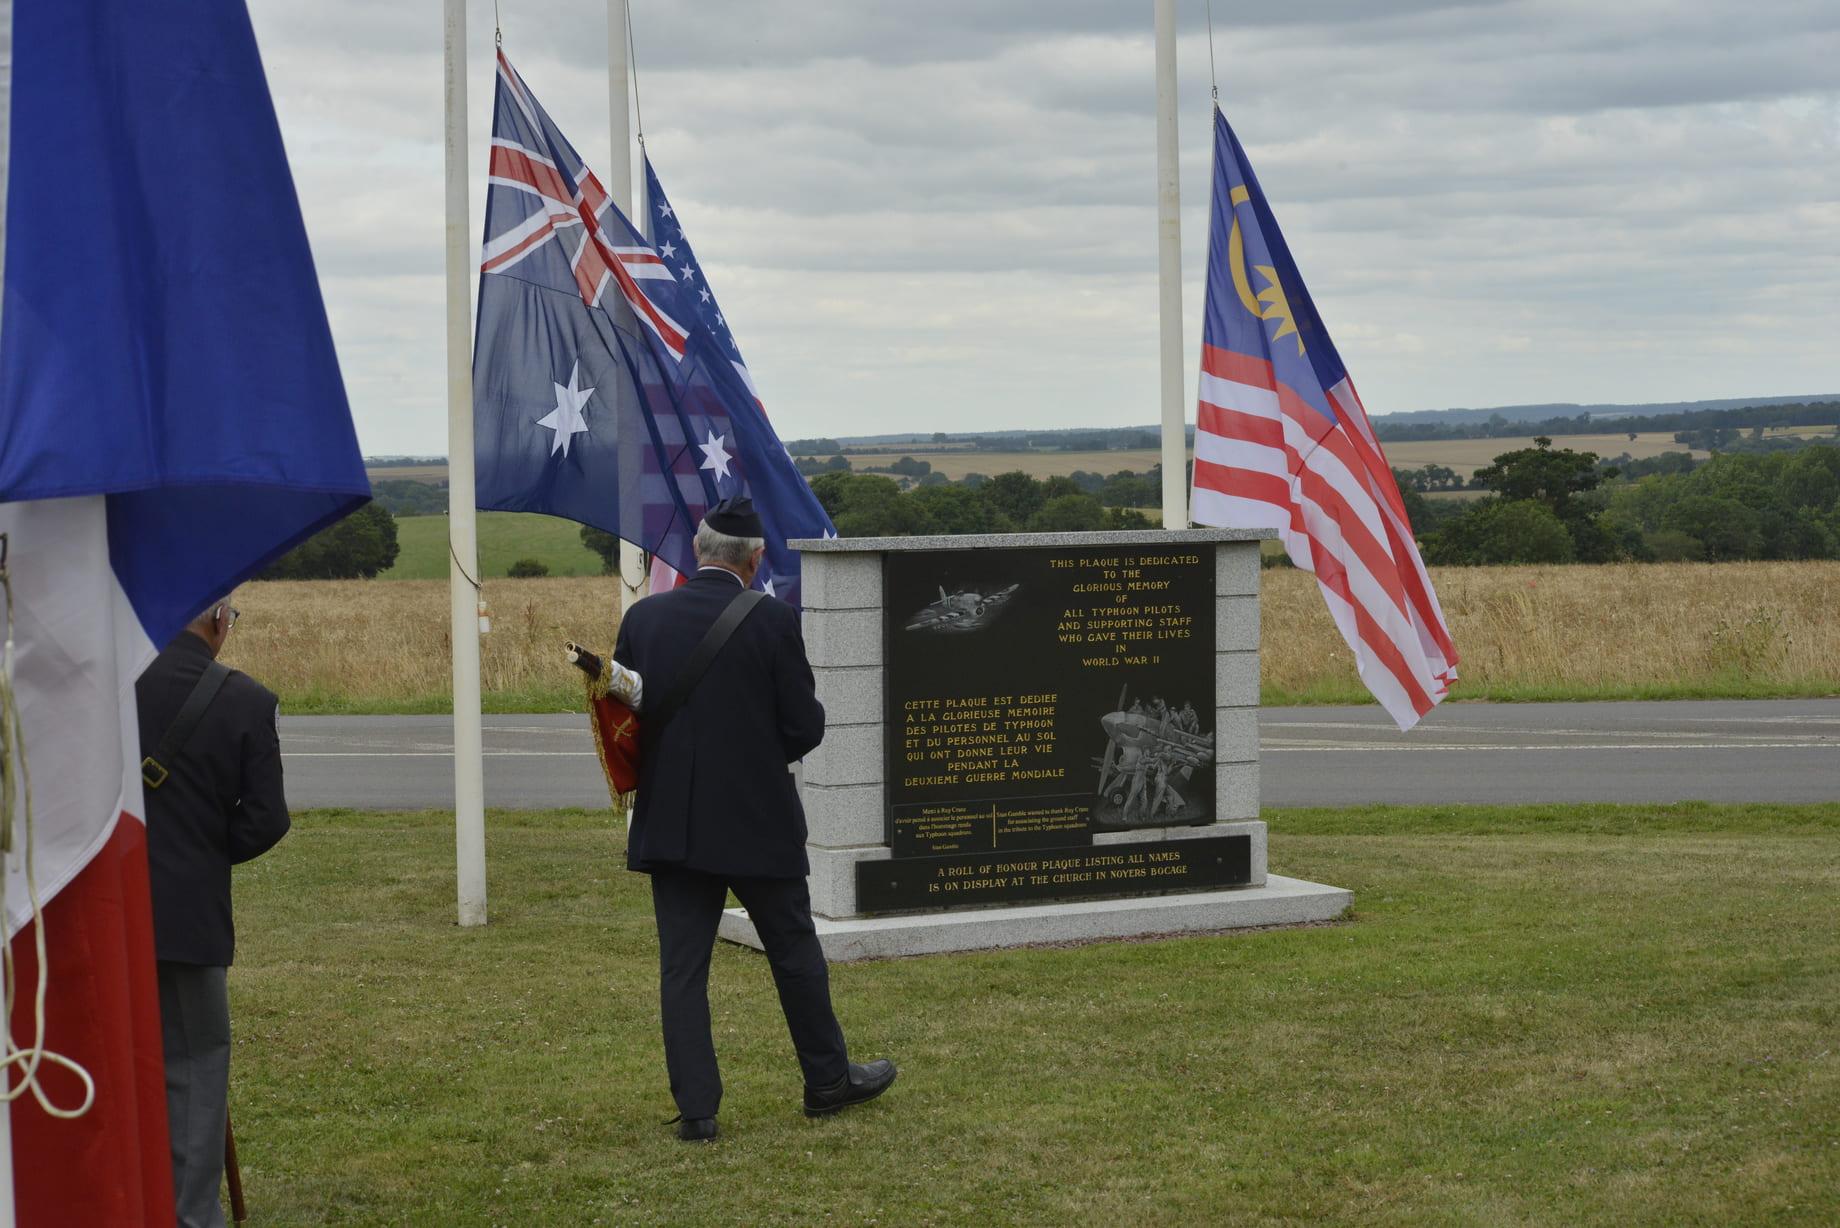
(173, 420)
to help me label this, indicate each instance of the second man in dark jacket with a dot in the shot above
(717, 811)
(214, 799)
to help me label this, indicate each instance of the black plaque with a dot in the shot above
(1146, 868)
(1036, 696)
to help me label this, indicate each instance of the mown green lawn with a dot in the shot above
(1583, 1015)
(504, 538)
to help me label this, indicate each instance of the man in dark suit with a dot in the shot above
(214, 798)
(717, 811)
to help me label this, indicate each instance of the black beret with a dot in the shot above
(736, 517)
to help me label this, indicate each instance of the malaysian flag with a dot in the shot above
(601, 391)
(1282, 442)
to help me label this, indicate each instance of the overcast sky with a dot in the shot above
(941, 215)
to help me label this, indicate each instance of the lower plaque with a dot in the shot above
(972, 879)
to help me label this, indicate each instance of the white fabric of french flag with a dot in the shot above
(78, 647)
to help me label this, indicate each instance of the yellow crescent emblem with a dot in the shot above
(1269, 303)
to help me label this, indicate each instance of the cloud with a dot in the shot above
(943, 215)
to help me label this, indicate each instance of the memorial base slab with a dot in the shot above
(1281, 901)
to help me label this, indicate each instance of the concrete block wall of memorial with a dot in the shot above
(842, 781)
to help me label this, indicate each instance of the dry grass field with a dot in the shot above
(1659, 630)
(1468, 455)
(1632, 631)
(377, 646)
(1801, 432)
(411, 473)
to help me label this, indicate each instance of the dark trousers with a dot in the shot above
(688, 906)
(195, 1029)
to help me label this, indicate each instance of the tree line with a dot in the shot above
(1544, 504)
(1555, 505)
(357, 547)
(1747, 418)
(868, 505)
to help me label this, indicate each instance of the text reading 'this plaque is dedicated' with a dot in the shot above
(1035, 697)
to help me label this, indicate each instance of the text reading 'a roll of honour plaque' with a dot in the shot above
(1036, 697)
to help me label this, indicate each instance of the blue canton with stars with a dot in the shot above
(667, 235)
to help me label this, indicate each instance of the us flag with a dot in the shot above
(1282, 442)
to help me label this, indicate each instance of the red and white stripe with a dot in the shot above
(1265, 458)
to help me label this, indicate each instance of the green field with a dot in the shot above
(1584, 1015)
(504, 538)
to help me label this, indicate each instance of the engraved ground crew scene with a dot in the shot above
(790, 612)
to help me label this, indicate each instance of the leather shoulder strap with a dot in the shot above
(738, 608)
(156, 767)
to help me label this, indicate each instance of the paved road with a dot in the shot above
(1724, 751)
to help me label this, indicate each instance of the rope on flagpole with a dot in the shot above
(632, 63)
(455, 555)
(1213, 81)
(632, 60)
(498, 29)
(16, 801)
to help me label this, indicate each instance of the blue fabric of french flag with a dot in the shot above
(164, 339)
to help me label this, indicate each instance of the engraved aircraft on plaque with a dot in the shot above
(965, 610)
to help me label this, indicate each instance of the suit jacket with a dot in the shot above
(714, 792)
(222, 804)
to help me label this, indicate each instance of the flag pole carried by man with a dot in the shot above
(1282, 442)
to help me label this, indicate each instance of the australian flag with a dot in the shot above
(602, 390)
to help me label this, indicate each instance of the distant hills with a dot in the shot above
(1540, 413)
(1409, 424)
(1531, 415)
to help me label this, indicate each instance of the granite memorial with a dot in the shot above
(1036, 737)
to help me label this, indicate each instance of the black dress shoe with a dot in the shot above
(862, 1083)
(696, 1129)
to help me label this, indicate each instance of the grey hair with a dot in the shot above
(713, 546)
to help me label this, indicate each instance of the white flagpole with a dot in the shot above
(462, 529)
(1169, 254)
(620, 187)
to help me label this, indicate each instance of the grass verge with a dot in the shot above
(1574, 1015)
(504, 538)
